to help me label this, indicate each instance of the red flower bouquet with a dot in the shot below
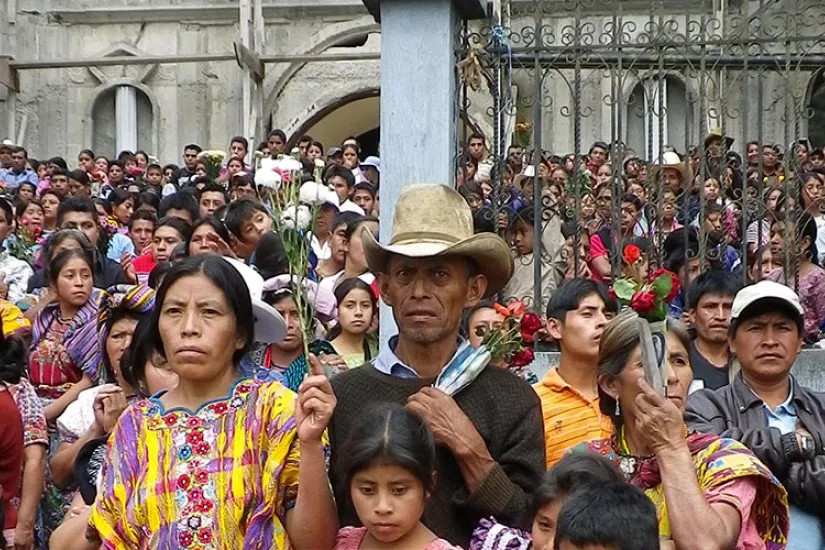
(650, 299)
(507, 343)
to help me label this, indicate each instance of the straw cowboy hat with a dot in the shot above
(669, 160)
(431, 219)
(716, 133)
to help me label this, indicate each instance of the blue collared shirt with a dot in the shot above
(804, 532)
(387, 362)
(13, 179)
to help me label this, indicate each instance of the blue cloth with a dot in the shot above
(677, 306)
(13, 179)
(118, 244)
(804, 530)
(388, 363)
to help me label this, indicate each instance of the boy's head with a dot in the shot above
(154, 175)
(713, 220)
(521, 227)
(566, 476)
(246, 221)
(181, 205)
(612, 516)
(472, 193)
(709, 302)
(576, 316)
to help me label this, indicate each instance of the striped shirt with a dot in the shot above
(570, 418)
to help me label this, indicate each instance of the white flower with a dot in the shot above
(296, 217)
(295, 152)
(267, 177)
(320, 163)
(314, 194)
(287, 164)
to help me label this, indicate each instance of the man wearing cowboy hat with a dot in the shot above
(490, 439)
(674, 176)
(716, 145)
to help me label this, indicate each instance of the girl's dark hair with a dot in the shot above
(23, 204)
(270, 258)
(12, 359)
(228, 280)
(388, 434)
(568, 474)
(88, 152)
(30, 184)
(213, 222)
(133, 363)
(356, 223)
(49, 192)
(117, 196)
(179, 225)
(804, 226)
(59, 262)
(149, 198)
(341, 291)
(57, 238)
(158, 273)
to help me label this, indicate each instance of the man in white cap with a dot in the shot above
(766, 409)
(489, 434)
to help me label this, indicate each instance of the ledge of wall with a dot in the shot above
(809, 368)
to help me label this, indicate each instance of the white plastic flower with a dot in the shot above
(267, 177)
(296, 217)
(314, 194)
(287, 164)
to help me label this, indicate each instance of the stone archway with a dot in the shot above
(355, 114)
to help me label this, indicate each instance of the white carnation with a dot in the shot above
(293, 217)
(266, 177)
(314, 194)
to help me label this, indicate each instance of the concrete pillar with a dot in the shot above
(125, 119)
(418, 101)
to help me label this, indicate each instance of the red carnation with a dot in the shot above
(522, 358)
(530, 324)
(631, 253)
(643, 302)
(612, 293)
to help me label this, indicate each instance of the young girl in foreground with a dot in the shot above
(389, 466)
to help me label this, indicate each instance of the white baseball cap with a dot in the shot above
(764, 290)
(269, 325)
(373, 162)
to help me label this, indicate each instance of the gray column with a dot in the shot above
(418, 101)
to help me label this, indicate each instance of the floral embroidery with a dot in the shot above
(194, 436)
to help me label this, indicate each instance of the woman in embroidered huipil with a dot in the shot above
(708, 492)
(64, 358)
(219, 461)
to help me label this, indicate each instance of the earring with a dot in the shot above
(618, 409)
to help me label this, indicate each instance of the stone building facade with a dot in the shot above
(165, 106)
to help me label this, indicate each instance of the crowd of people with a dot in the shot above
(161, 386)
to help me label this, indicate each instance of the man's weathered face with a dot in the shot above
(190, 158)
(712, 317)
(428, 295)
(766, 346)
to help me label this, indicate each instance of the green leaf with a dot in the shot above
(658, 314)
(624, 289)
(661, 286)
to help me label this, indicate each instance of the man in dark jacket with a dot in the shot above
(766, 409)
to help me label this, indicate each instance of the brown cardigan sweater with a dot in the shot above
(507, 413)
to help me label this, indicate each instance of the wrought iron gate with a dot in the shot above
(645, 78)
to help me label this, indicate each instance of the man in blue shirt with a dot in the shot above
(765, 408)
(18, 173)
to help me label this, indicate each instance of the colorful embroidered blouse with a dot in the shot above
(221, 477)
(31, 412)
(62, 351)
(727, 472)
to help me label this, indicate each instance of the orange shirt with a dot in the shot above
(569, 417)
